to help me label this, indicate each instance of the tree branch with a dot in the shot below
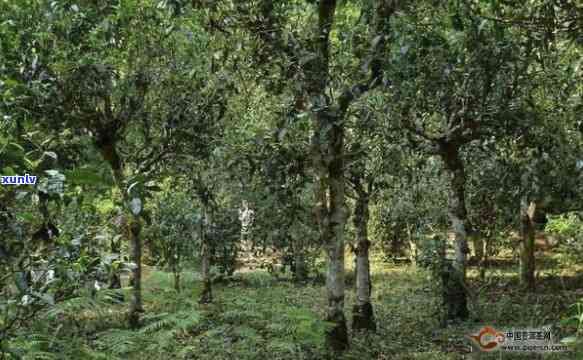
(385, 10)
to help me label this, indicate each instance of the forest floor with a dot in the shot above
(256, 316)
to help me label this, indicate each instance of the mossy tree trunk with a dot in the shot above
(106, 142)
(478, 244)
(136, 275)
(527, 232)
(176, 268)
(114, 276)
(457, 213)
(412, 241)
(300, 268)
(363, 314)
(331, 216)
(327, 150)
(206, 295)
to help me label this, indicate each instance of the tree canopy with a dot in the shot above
(220, 179)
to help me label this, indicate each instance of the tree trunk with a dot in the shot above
(338, 336)
(206, 295)
(412, 245)
(328, 154)
(363, 316)
(176, 272)
(177, 286)
(136, 258)
(327, 149)
(106, 145)
(300, 269)
(114, 276)
(478, 243)
(527, 229)
(331, 216)
(457, 213)
(485, 259)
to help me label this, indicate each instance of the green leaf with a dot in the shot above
(86, 176)
(8, 171)
(27, 216)
(18, 146)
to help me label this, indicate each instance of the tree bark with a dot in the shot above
(114, 277)
(457, 213)
(527, 229)
(206, 295)
(177, 286)
(478, 243)
(176, 270)
(327, 149)
(331, 216)
(484, 261)
(363, 315)
(136, 275)
(412, 245)
(300, 269)
(106, 144)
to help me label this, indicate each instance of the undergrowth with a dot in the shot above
(257, 316)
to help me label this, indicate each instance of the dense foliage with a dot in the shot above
(219, 179)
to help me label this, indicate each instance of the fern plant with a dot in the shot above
(575, 320)
(120, 342)
(182, 321)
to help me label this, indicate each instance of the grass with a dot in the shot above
(255, 316)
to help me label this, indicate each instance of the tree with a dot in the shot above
(363, 317)
(367, 174)
(108, 78)
(309, 64)
(206, 198)
(466, 88)
(327, 152)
